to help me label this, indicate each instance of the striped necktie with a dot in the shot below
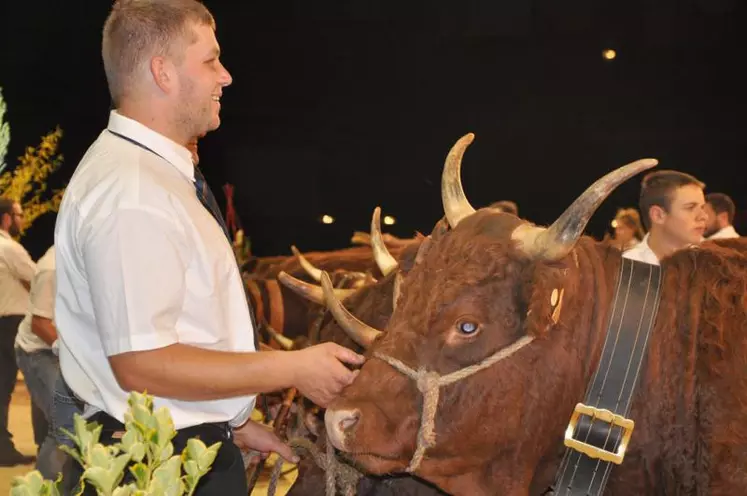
(206, 197)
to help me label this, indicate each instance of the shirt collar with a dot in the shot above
(727, 231)
(643, 252)
(5, 234)
(174, 153)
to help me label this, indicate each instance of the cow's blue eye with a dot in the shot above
(468, 327)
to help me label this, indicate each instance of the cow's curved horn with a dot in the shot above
(312, 271)
(456, 205)
(556, 241)
(386, 262)
(284, 342)
(397, 290)
(360, 332)
(311, 292)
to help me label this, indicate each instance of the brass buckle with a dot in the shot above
(627, 426)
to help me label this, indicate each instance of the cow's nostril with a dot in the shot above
(349, 421)
(339, 424)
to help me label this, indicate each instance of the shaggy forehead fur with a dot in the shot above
(478, 252)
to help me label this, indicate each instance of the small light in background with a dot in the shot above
(613, 223)
(389, 220)
(609, 54)
(327, 219)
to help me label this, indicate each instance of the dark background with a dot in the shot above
(337, 107)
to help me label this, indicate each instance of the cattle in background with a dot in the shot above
(291, 315)
(497, 284)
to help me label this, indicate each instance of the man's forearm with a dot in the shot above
(194, 374)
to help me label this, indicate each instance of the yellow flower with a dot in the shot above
(27, 182)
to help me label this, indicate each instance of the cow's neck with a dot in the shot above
(495, 477)
(601, 265)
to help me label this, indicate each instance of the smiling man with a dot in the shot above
(149, 295)
(673, 208)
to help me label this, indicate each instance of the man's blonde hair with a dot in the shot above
(137, 30)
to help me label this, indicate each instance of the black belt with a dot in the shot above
(111, 424)
(599, 431)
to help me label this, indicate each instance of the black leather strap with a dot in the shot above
(632, 317)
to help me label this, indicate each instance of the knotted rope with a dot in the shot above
(337, 474)
(430, 383)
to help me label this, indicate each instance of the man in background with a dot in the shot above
(38, 361)
(16, 272)
(720, 210)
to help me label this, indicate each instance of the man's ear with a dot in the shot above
(5, 221)
(164, 74)
(657, 214)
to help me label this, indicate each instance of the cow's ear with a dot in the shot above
(544, 294)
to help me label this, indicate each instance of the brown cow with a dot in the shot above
(372, 305)
(489, 285)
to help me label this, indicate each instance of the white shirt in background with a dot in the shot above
(642, 252)
(15, 266)
(725, 233)
(41, 304)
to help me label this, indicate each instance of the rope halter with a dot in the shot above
(429, 385)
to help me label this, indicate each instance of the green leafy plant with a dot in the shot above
(145, 450)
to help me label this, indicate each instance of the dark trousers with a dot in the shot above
(8, 373)
(225, 478)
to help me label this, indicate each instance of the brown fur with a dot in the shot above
(501, 429)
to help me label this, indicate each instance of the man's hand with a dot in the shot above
(258, 437)
(320, 374)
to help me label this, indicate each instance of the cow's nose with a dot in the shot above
(339, 423)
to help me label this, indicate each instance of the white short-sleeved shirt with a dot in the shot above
(16, 265)
(41, 304)
(142, 264)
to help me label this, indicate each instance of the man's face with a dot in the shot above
(712, 224)
(16, 220)
(202, 78)
(623, 233)
(685, 222)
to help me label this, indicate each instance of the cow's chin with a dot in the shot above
(378, 458)
(377, 465)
